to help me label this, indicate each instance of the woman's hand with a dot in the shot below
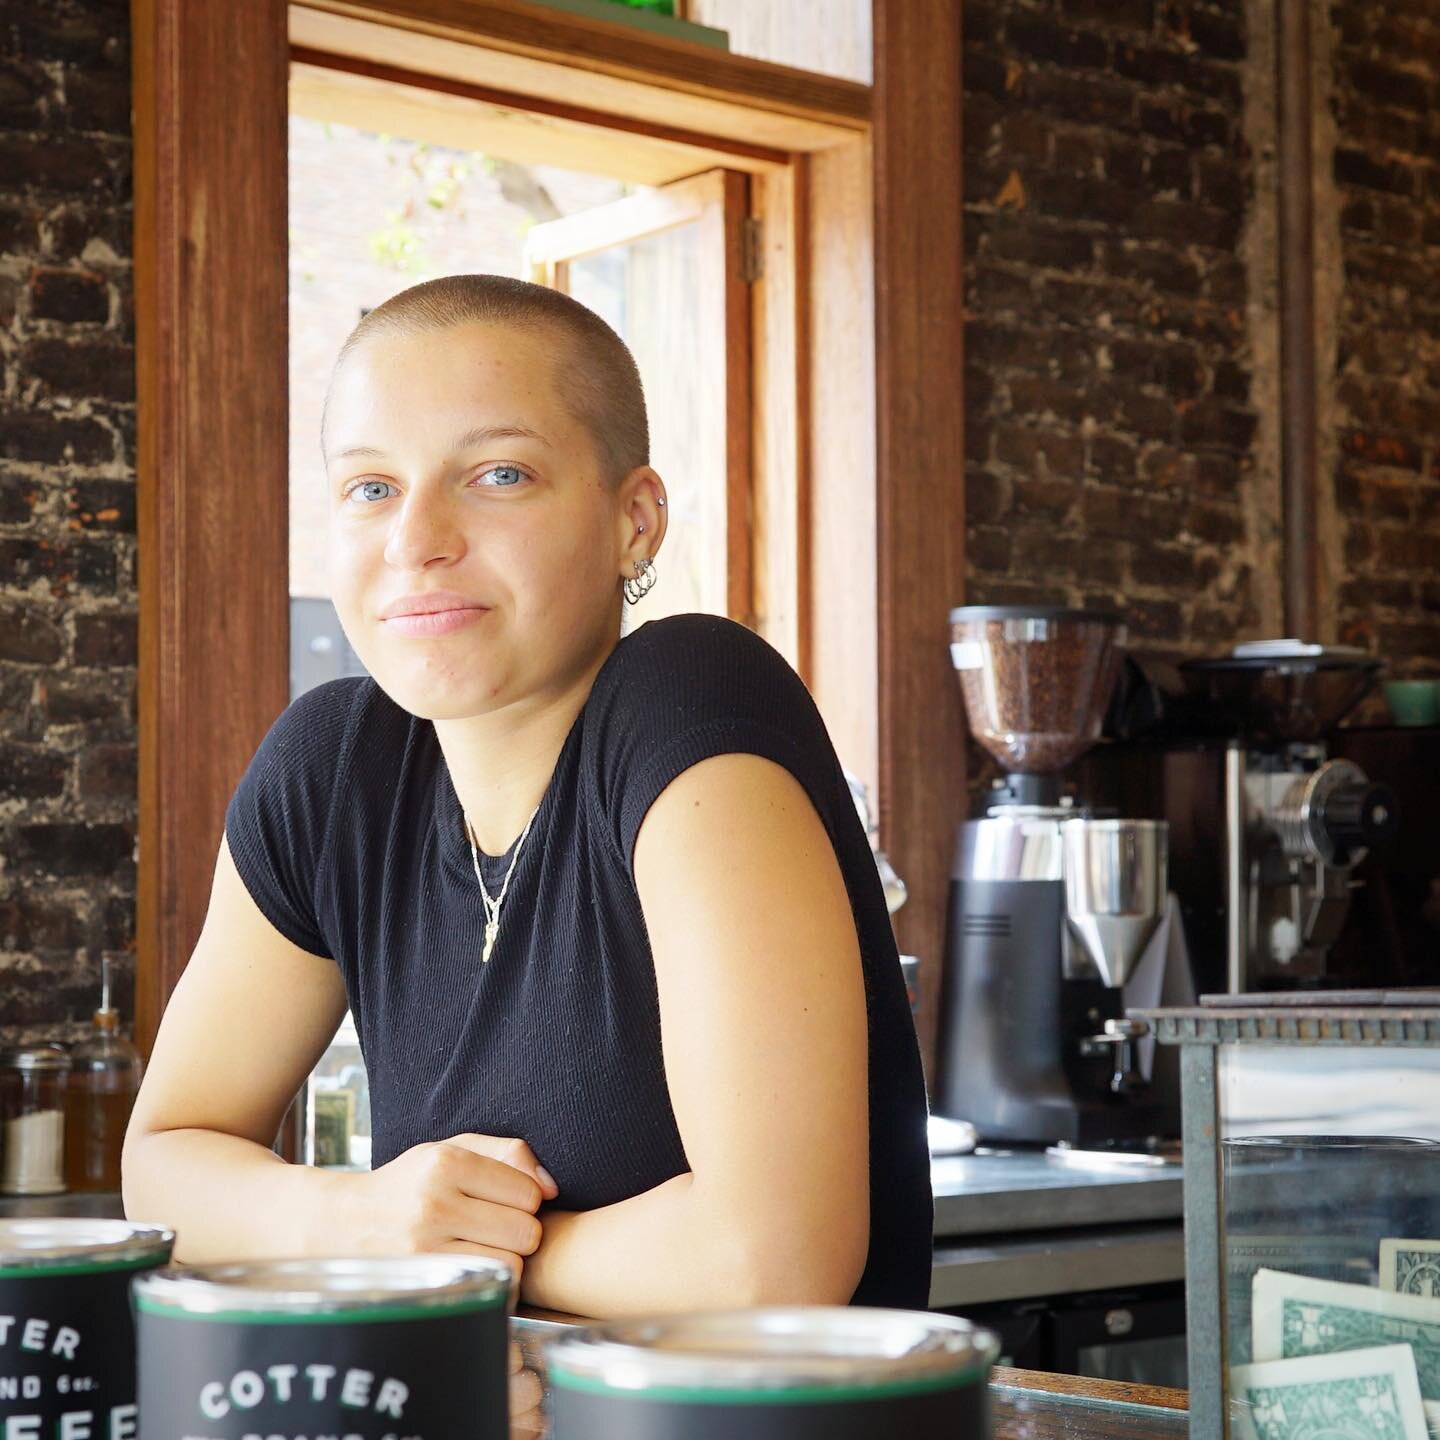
(468, 1195)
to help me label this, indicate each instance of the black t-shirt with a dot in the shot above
(349, 835)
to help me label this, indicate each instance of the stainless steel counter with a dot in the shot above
(1016, 1225)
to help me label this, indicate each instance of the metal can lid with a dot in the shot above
(48, 1056)
(381, 1287)
(822, 1353)
(47, 1246)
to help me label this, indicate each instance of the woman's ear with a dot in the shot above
(642, 517)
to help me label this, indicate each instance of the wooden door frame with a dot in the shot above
(877, 554)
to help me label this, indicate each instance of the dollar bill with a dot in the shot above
(1410, 1267)
(1294, 1315)
(1326, 1257)
(1369, 1394)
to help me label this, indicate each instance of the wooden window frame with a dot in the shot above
(860, 563)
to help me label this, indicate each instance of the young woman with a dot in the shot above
(604, 913)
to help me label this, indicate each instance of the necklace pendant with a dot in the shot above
(492, 929)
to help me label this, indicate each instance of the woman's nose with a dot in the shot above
(425, 532)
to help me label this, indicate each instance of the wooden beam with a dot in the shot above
(920, 495)
(211, 330)
(604, 66)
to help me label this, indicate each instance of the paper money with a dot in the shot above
(1293, 1315)
(1326, 1257)
(1369, 1394)
(1410, 1267)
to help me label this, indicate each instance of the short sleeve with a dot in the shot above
(277, 822)
(689, 687)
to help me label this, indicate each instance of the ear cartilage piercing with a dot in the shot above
(640, 530)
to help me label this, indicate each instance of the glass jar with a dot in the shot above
(32, 1108)
(104, 1081)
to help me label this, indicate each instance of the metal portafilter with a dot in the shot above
(1115, 885)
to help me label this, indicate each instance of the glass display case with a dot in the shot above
(1312, 1213)
(337, 1105)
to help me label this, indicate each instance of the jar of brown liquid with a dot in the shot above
(105, 1075)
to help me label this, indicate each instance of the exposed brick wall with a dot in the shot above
(67, 513)
(1109, 426)
(1386, 66)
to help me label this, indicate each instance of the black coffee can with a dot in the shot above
(803, 1373)
(67, 1336)
(364, 1349)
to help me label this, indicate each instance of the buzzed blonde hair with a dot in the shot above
(598, 379)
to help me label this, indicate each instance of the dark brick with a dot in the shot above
(1156, 66)
(1124, 514)
(1215, 524)
(993, 288)
(1373, 593)
(1005, 591)
(987, 497)
(1092, 302)
(1173, 368)
(1421, 639)
(1172, 567)
(1084, 100)
(19, 229)
(1154, 619)
(984, 74)
(1038, 38)
(1218, 34)
(97, 100)
(82, 368)
(109, 772)
(1153, 265)
(25, 96)
(65, 566)
(1084, 197)
(30, 922)
(30, 772)
(1223, 182)
(75, 296)
(1210, 422)
(1042, 550)
(1028, 241)
(1131, 14)
(1399, 223)
(1035, 395)
(107, 638)
(56, 164)
(1390, 85)
(1112, 459)
(1049, 452)
(1206, 127)
(1356, 167)
(17, 500)
(1048, 351)
(103, 701)
(1358, 215)
(95, 34)
(1232, 381)
(1166, 467)
(1170, 170)
(982, 24)
(1408, 549)
(27, 637)
(982, 115)
(988, 549)
(74, 226)
(1126, 163)
(1180, 223)
(1047, 498)
(979, 390)
(1381, 449)
(51, 439)
(1152, 417)
(106, 505)
(63, 849)
(1024, 136)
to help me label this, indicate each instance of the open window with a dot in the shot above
(665, 269)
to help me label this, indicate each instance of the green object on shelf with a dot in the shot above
(1413, 702)
(656, 16)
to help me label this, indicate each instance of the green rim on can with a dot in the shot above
(796, 1355)
(310, 1292)
(33, 1248)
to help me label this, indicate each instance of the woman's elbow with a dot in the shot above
(820, 1267)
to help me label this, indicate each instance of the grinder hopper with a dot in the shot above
(1115, 879)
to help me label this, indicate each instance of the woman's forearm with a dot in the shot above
(672, 1248)
(227, 1198)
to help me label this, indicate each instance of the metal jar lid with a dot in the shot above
(388, 1287)
(820, 1353)
(54, 1246)
(49, 1056)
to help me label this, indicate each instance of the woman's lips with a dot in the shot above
(435, 622)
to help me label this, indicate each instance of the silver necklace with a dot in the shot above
(492, 907)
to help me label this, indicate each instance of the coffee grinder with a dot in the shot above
(1050, 905)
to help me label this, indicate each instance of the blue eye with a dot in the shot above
(513, 472)
(369, 490)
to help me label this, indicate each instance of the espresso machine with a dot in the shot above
(1050, 904)
(1268, 825)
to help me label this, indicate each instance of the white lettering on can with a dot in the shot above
(123, 1424)
(75, 1425)
(66, 1340)
(355, 1391)
(213, 1404)
(320, 1378)
(392, 1398)
(33, 1336)
(247, 1389)
(22, 1427)
(280, 1378)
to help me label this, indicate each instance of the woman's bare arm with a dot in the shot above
(246, 1024)
(764, 1031)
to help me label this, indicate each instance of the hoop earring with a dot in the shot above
(639, 587)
